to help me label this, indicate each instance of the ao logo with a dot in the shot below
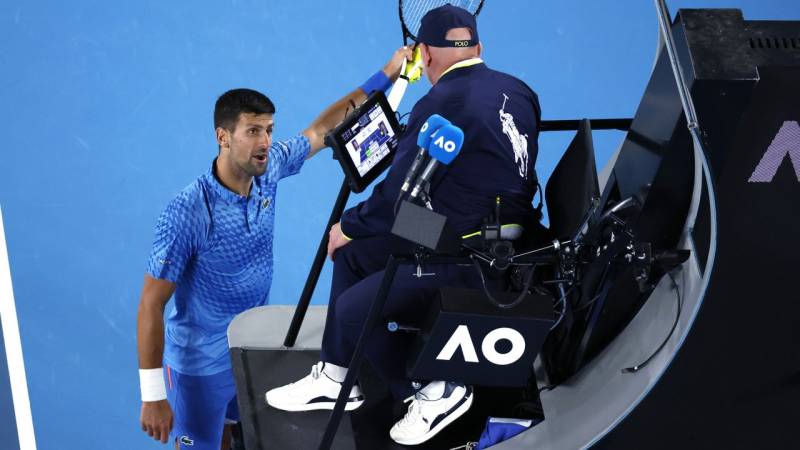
(785, 143)
(424, 127)
(462, 339)
(448, 146)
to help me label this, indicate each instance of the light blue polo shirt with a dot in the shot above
(216, 246)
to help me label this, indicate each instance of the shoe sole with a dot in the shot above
(349, 406)
(441, 425)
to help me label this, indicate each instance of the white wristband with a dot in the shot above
(151, 382)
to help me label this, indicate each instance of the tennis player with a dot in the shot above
(213, 251)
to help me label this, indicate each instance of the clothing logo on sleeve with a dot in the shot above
(519, 142)
(186, 441)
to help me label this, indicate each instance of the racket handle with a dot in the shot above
(397, 93)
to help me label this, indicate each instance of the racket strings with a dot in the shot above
(413, 11)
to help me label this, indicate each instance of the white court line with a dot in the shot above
(16, 365)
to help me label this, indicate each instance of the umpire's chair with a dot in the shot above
(260, 360)
(572, 194)
(572, 190)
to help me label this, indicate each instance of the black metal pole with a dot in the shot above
(358, 354)
(316, 267)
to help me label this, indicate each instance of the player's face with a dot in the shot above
(250, 142)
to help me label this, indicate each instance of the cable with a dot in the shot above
(477, 254)
(400, 117)
(634, 369)
(589, 303)
(549, 387)
(549, 247)
(563, 301)
(491, 298)
(594, 299)
(347, 109)
(426, 198)
(397, 205)
(423, 196)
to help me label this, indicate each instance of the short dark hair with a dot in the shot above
(236, 101)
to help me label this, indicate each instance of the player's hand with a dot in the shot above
(392, 68)
(157, 420)
(336, 240)
(413, 70)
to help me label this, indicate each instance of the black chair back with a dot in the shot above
(573, 185)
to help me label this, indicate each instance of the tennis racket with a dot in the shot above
(411, 13)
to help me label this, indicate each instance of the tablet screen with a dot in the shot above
(364, 143)
(368, 139)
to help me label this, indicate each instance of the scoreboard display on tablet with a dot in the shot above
(365, 142)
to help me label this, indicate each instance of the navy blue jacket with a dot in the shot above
(500, 116)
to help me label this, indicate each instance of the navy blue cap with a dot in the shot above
(438, 21)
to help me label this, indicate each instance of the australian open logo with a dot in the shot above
(462, 339)
(785, 145)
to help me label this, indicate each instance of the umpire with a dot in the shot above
(500, 117)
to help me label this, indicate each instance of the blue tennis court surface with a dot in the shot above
(8, 424)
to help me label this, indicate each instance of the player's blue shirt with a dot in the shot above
(216, 245)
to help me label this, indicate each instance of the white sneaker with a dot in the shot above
(433, 407)
(315, 391)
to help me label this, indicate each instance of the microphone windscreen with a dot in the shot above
(446, 144)
(427, 129)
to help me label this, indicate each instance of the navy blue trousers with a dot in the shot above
(357, 273)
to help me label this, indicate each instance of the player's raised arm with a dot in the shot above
(156, 416)
(333, 114)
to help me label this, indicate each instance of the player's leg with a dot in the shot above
(199, 404)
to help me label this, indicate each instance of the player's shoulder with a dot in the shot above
(286, 157)
(295, 143)
(191, 202)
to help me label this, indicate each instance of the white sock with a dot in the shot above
(334, 372)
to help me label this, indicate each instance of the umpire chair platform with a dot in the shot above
(261, 362)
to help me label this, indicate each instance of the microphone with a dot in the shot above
(427, 130)
(444, 147)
